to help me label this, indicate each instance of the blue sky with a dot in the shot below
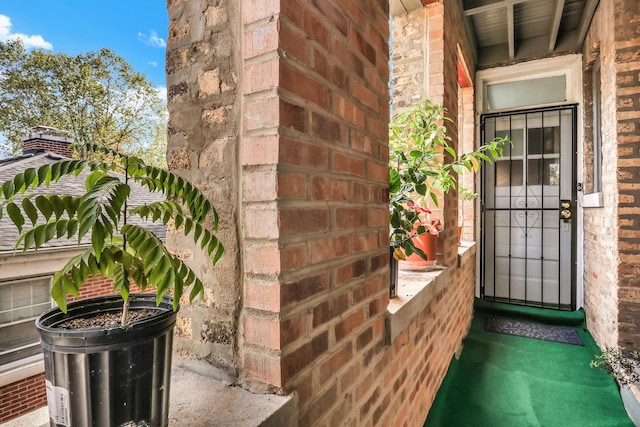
(134, 29)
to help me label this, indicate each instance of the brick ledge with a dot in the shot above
(417, 289)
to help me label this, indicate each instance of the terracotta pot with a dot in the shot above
(426, 242)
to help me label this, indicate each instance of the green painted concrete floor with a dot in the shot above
(506, 381)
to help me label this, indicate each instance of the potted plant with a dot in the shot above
(423, 165)
(624, 367)
(100, 370)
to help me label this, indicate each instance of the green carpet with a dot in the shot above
(506, 381)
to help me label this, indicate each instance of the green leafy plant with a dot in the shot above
(422, 165)
(464, 195)
(119, 248)
(621, 365)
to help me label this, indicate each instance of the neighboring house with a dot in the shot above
(25, 279)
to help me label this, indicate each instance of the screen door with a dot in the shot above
(528, 206)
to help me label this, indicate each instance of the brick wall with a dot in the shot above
(311, 194)
(22, 397)
(600, 227)
(627, 90)
(316, 274)
(411, 370)
(55, 144)
(611, 232)
(29, 394)
(467, 137)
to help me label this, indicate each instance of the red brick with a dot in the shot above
(301, 221)
(293, 257)
(323, 188)
(350, 218)
(263, 332)
(294, 328)
(346, 109)
(261, 40)
(261, 76)
(303, 154)
(350, 271)
(304, 288)
(304, 356)
(292, 43)
(261, 114)
(335, 363)
(255, 10)
(346, 326)
(329, 248)
(299, 82)
(262, 150)
(292, 186)
(344, 163)
(333, 15)
(262, 259)
(262, 367)
(292, 116)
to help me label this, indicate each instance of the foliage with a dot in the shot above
(465, 193)
(97, 96)
(624, 367)
(422, 164)
(120, 248)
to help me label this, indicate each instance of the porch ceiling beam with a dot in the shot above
(511, 32)
(555, 24)
(482, 6)
(585, 19)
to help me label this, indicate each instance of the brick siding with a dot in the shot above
(627, 99)
(611, 236)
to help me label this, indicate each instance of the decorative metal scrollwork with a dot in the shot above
(526, 220)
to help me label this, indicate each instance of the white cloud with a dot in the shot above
(152, 39)
(29, 41)
(153, 63)
(162, 93)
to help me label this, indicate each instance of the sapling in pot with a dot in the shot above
(114, 374)
(120, 247)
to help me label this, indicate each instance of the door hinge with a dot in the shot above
(579, 186)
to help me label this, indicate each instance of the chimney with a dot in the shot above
(45, 138)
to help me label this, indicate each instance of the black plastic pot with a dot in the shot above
(393, 274)
(108, 377)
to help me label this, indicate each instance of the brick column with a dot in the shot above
(626, 45)
(315, 206)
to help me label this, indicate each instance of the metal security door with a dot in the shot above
(528, 207)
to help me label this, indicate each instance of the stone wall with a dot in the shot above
(611, 232)
(203, 62)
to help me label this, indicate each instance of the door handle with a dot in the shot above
(565, 212)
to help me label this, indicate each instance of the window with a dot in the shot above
(597, 129)
(20, 303)
(545, 90)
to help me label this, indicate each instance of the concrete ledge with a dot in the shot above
(417, 289)
(631, 398)
(199, 399)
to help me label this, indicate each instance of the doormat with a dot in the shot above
(561, 334)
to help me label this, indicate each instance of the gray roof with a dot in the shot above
(68, 185)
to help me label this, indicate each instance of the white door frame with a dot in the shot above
(571, 67)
